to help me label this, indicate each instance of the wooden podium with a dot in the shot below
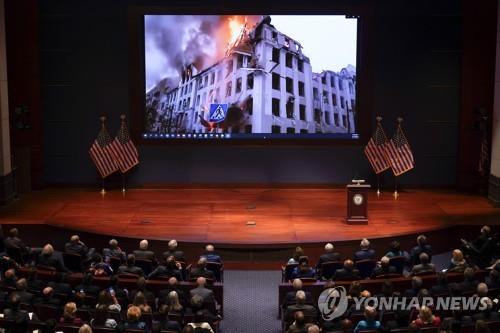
(357, 203)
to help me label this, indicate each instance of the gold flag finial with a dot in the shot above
(123, 117)
(400, 120)
(379, 118)
(103, 119)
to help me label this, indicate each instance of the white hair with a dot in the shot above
(329, 247)
(143, 244)
(209, 248)
(172, 244)
(365, 243)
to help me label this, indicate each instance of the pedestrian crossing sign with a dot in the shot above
(218, 112)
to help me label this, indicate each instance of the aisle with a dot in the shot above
(251, 302)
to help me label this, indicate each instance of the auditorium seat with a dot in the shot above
(145, 264)
(67, 328)
(115, 262)
(72, 261)
(217, 269)
(398, 262)
(366, 267)
(328, 269)
(46, 312)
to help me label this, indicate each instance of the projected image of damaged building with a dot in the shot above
(268, 85)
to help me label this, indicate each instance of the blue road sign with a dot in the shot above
(218, 112)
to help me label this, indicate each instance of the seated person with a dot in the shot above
(387, 289)
(426, 318)
(469, 283)
(480, 249)
(313, 329)
(134, 319)
(22, 290)
(384, 268)
(299, 252)
(173, 285)
(299, 324)
(85, 329)
(303, 270)
(10, 278)
(488, 313)
(328, 256)
(290, 296)
(348, 272)
(300, 305)
(174, 251)
(481, 290)
(457, 263)
(370, 322)
(211, 255)
(172, 304)
(401, 320)
(69, 315)
(424, 266)
(416, 285)
(482, 327)
(196, 305)
(50, 258)
(441, 286)
(130, 267)
(47, 298)
(87, 287)
(170, 325)
(199, 321)
(201, 270)
(493, 279)
(143, 252)
(61, 285)
(101, 318)
(169, 269)
(14, 242)
(108, 299)
(141, 303)
(76, 246)
(141, 286)
(98, 267)
(20, 317)
(422, 247)
(364, 251)
(114, 251)
(35, 284)
(395, 251)
(206, 294)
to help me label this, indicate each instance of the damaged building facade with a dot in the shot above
(269, 85)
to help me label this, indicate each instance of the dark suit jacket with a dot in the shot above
(118, 253)
(88, 289)
(197, 272)
(77, 248)
(307, 309)
(165, 271)
(54, 260)
(171, 325)
(468, 285)
(290, 298)
(381, 270)
(125, 269)
(364, 254)
(36, 285)
(61, 288)
(420, 268)
(486, 316)
(50, 301)
(178, 255)
(439, 289)
(206, 294)
(326, 257)
(144, 254)
(15, 243)
(344, 273)
(25, 297)
(417, 250)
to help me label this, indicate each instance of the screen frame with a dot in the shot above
(364, 100)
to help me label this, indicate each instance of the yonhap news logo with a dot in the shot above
(333, 303)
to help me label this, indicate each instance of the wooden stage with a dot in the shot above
(281, 216)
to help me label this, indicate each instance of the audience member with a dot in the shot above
(114, 250)
(469, 283)
(101, 318)
(69, 315)
(303, 270)
(487, 314)
(168, 269)
(76, 246)
(173, 251)
(482, 327)
(426, 318)
(395, 250)
(143, 252)
(34, 283)
(328, 256)
(130, 267)
(479, 250)
(424, 266)
(348, 272)
(200, 321)
(100, 268)
(20, 317)
(133, 319)
(457, 263)
(87, 287)
(141, 286)
(15, 243)
(173, 285)
(421, 247)
(370, 322)
(141, 303)
(416, 285)
(299, 323)
(21, 289)
(211, 255)
(387, 289)
(300, 305)
(108, 298)
(384, 268)
(299, 252)
(313, 329)
(206, 294)
(201, 270)
(85, 329)
(290, 296)
(365, 252)
(50, 258)
(173, 305)
(10, 278)
(47, 298)
(60, 285)
(441, 286)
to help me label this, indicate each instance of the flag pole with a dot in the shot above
(103, 188)
(396, 194)
(378, 184)
(124, 182)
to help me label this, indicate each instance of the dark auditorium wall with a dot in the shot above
(85, 72)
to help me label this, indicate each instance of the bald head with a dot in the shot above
(75, 239)
(143, 244)
(313, 329)
(10, 273)
(47, 250)
(384, 261)
(300, 296)
(209, 248)
(172, 244)
(328, 247)
(113, 243)
(47, 291)
(297, 284)
(365, 244)
(172, 281)
(202, 262)
(349, 264)
(201, 281)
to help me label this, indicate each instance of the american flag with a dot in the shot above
(124, 150)
(399, 153)
(375, 150)
(101, 154)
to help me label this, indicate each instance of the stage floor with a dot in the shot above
(221, 215)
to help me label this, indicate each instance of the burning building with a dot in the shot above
(268, 84)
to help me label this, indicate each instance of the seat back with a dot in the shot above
(329, 268)
(67, 328)
(398, 262)
(287, 272)
(115, 262)
(366, 267)
(72, 261)
(46, 312)
(145, 264)
(216, 268)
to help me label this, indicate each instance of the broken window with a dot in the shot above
(302, 112)
(300, 65)
(342, 102)
(327, 118)
(229, 87)
(290, 130)
(249, 105)
(289, 85)
(301, 88)
(276, 107)
(238, 85)
(317, 115)
(289, 109)
(250, 81)
(276, 81)
(276, 55)
(229, 67)
(275, 129)
(334, 99)
(239, 62)
(344, 120)
(289, 60)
